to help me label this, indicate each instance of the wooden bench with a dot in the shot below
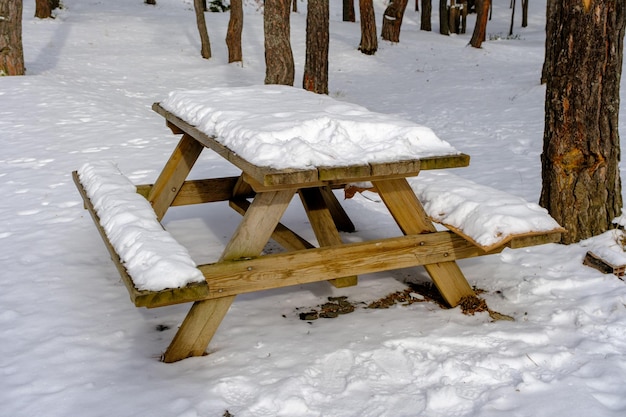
(261, 194)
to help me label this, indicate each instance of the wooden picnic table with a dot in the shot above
(261, 195)
(241, 269)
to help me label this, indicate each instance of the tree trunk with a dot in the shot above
(443, 17)
(581, 152)
(233, 34)
(279, 66)
(524, 13)
(392, 20)
(512, 17)
(11, 51)
(205, 50)
(43, 9)
(348, 11)
(317, 34)
(427, 8)
(369, 42)
(550, 39)
(480, 30)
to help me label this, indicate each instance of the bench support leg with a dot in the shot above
(249, 239)
(408, 212)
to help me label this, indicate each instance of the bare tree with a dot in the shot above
(317, 35)
(11, 50)
(369, 42)
(581, 151)
(348, 11)
(279, 66)
(524, 13)
(427, 8)
(392, 20)
(205, 49)
(233, 34)
(444, 29)
(480, 30)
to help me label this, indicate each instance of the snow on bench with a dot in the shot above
(152, 257)
(487, 217)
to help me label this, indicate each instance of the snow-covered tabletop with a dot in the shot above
(285, 127)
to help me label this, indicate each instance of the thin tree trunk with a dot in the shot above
(444, 29)
(43, 9)
(11, 51)
(524, 13)
(581, 153)
(427, 7)
(205, 49)
(369, 42)
(317, 34)
(512, 17)
(480, 30)
(233, 34)
(392, 20)
(279, 66)
(348, 11)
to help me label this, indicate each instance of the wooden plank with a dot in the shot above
(142, 298)
(200, 191)
(443, 162)
(312, 265)
(174, 174)
(408, 168)
(264, 175)
(324, 227)
(339, 173)
(411, 217)
(515, 241)
(204, 318)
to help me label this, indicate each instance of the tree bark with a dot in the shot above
(427, 8)
(205, 49)
(317, 35)
(392, 20)
(443, 17)
(480, 30)
(279, 66)
(11, 50)
(581, 152)
(524, 13)
(369, 41)
(348, 11)
(43, 9)
(233, 34)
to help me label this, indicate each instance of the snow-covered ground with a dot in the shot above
(71, 343)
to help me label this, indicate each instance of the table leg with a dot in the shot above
(340, 217)
(164, 190)
(324, 227)
(408, 212)
(249, 239)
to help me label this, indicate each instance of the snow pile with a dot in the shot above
(152, 257)
(285, 127)
(484, 214)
